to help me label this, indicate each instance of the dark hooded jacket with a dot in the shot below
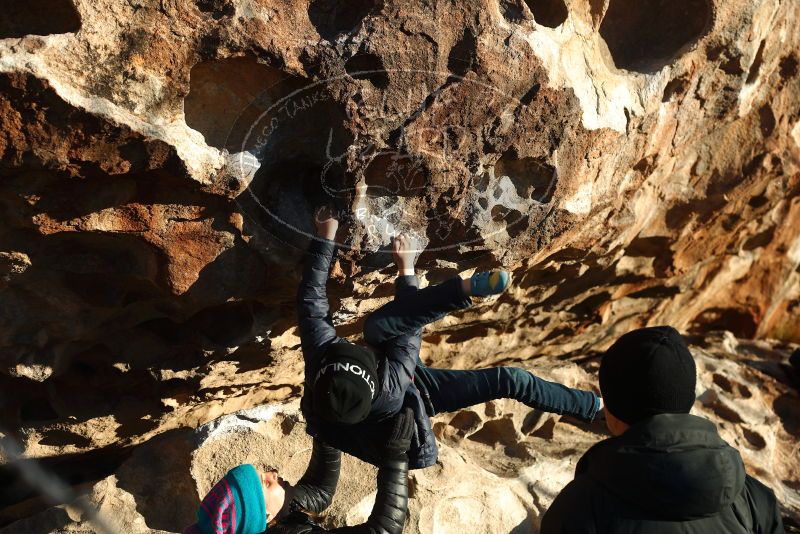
(669, 474)
(396, 389)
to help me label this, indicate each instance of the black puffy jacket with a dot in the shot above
(397, 389)
(314, 492)
(669, 474)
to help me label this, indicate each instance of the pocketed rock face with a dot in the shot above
(632, 163)
(500, 464)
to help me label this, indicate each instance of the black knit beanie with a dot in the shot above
(346, 383)
(647, 372)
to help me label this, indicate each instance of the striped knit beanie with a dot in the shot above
(235, 505)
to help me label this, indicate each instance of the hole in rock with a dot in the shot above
(789, 67)
(395, 174)
(252, 356)
(729, 182)
(676, 87)
(512, 10)
(787, 408)
(558, 332)
(723, 382)
(714, 52)
(515, 221)
(468, 332)
(767, 119)
(645, 165)
(550, 13)
(466, 422)
(649, 247)
(463, 56)
(331, 17)
(761, 239)
(287, 425)
(37, 17)
(368, 67)
(683, 212)
(744, 391)
(731, 65)
(546, 431)
(528, 97)
(758, 201)
(755, 439)
(499, 213)
(531, 421)
(516, 225)
(97, 268)
(217, 8)
(645, 35)
(655, 292)
(532, 177)
(740, 322)
(726, 412)
(228, 97)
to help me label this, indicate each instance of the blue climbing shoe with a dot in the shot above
(489, 283)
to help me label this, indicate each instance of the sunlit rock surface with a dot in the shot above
(632, 163)
(501, 463)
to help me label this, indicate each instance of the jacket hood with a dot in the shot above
(672, 466)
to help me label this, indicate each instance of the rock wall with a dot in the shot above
(630, 162)
(500, 464)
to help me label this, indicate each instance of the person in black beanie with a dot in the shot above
(664, 471)
(350, 388)
(633, 371)
(346, 383)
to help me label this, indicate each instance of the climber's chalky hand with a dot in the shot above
(326, 223)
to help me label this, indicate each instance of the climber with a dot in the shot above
(664, 471)
(252, 501)
(350, 387)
